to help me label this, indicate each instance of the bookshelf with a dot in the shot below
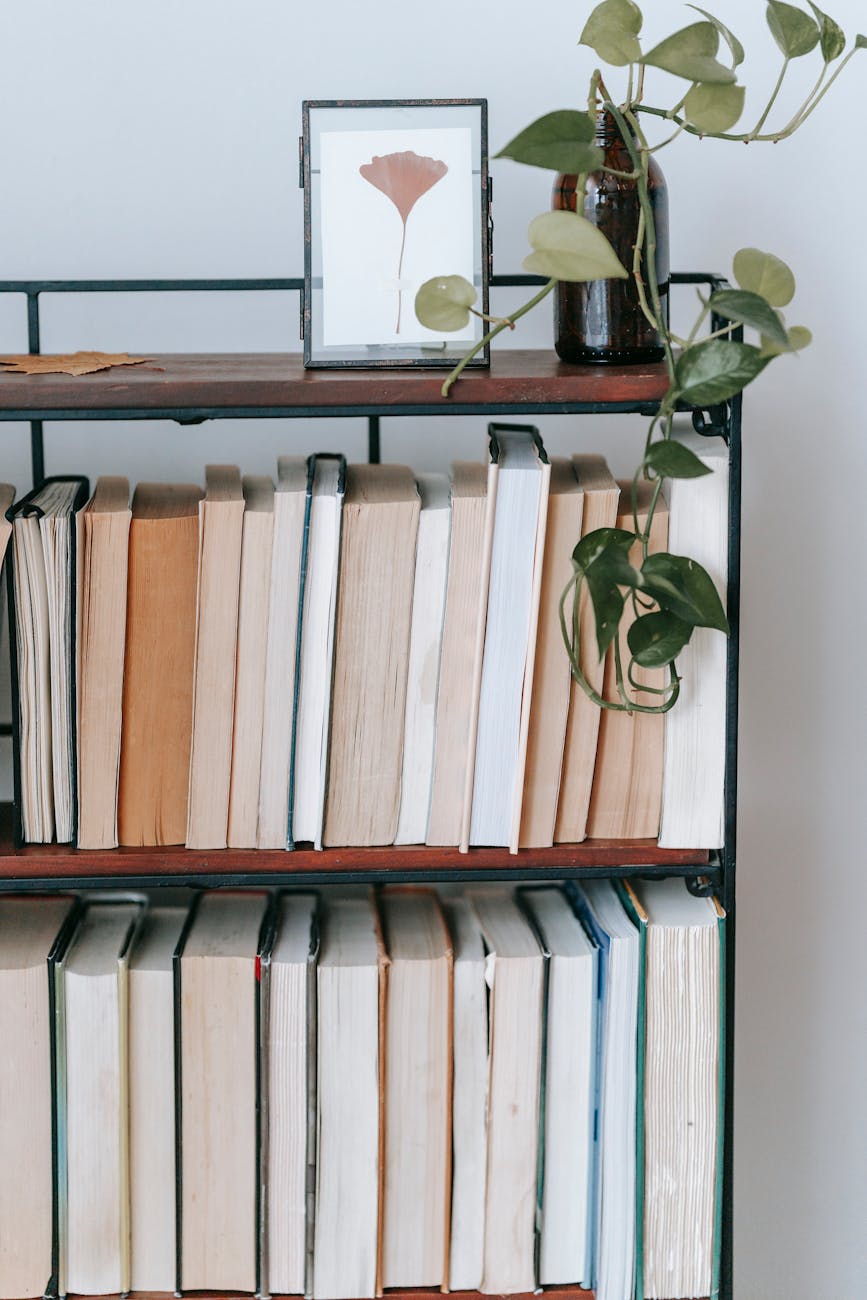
(192, 388)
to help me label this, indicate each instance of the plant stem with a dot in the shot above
(506, 323)
(770, 104)
(808, 107)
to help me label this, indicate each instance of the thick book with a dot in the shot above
(418, 1090)
(317, 610)
(254, 591)
(627, 780)
(290, 500)
(472, 498)
(350, 982)
(158, 665)
(32, 932)
(221, 522)
(516, 977)
(92, 1046)
(552, 677)
(42, 609)
(568, 1116)
(152, 1100)
(693, 773)
(371, 653)
(428, 607)
(601, 495)
(102, 563)
(493, 815)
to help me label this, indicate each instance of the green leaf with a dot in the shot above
(561, 142)
(683, 588)
(753, 310)
(714, 371)
(596, 543)
(612, 31)
(671, 459)
(657, 639)
(797, 337)
(738, 54)
(689, 53)
(568, 247)
(860, 42)
(792, 29)
(444, 302)
(607, 601)
(833, 38)
(714, 108)
(766, 275)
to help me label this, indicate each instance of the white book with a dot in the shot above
(153, 1263)
(348, 1103)
(565, 1254)
(425, 644)
(516, 979)
(510, 638)
(313, 708)
(607, 922)
(693, 777)
(470, 1099)
(289, 506)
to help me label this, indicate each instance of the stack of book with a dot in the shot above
(353, 656)
(488, 1090)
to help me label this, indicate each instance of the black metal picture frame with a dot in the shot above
(432, 352)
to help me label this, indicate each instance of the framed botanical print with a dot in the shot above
(395, 193)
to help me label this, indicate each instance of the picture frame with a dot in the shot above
(395, 193)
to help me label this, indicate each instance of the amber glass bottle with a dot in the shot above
(603, 320)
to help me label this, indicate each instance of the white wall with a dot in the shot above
(159, 139)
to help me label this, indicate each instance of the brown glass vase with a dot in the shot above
(602, 321)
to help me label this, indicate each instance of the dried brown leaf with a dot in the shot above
(75, 363)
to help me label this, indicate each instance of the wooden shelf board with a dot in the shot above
(243, 380)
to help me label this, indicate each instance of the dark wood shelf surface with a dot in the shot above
(241, 381)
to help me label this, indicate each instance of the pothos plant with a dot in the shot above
(669, 595)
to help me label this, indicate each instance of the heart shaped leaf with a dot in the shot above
(561, 142)
(671, 459)
(596, 543)
(766, 275)
(567, 247)
(683, 588)
(714, 108)
(612, 31)
(751, 309)
(655, 640)
(833, 38)
(444, 302)
(797, 337)
(690, 53)
(738, 53)
(794, 31)
(715, 371)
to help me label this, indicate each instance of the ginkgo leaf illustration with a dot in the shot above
(74, 363)
(403, 178)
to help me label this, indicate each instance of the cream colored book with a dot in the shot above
(601, 495)
(253, 602)
(221, 520)
(552, 675)
(627, 781)
(102, 561)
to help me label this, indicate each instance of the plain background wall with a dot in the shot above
(160, 140)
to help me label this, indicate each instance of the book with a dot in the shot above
(315, 665)
(693, 773)
(601, 495)
(517, 546)
(469, 1098)
(289, 508)
(221, 521)
(288, 1070)
(350, 982)
(216, 969)
(153, 785)
(472, 523)
(29, 933)
(152, 1155)
(552, 677)
(418, 1090)
(627, 780)
(43, 530)
(617, 1102)
(93, 1088)
(683, 1073)
(515, 973)
(428, 607)
(102, 552)
(565, 1252)
(7, 496)
(257, 542)
(371, 653)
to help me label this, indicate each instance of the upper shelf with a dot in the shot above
(191, 386)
